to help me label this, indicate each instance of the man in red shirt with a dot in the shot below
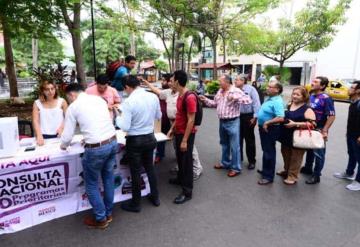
(184, 131)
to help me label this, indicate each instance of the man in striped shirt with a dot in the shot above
(227, 102)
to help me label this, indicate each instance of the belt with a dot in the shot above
(99, 144)
(228, 119)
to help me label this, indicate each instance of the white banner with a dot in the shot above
(42, 188)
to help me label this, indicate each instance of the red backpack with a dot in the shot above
(112, 67)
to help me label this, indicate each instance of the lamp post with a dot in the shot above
(93, 36)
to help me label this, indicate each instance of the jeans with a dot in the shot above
(140, 151)
(268, 145)
(319, 156)
(100, 162)
(185, 163)
(247, 133)
(354, 156)
(230, 143)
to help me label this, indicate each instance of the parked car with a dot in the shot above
(338, 90)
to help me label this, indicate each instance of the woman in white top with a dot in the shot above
(48, 113)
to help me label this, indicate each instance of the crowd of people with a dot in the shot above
(121, 101)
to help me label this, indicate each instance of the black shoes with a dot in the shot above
(313, 180)
(251, 166)
(306, 171)
(154, 200)
(174, 181)
(130, 206)
(182, 198)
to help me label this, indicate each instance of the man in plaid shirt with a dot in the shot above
(227, 102)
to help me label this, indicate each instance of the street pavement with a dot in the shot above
(225, 211)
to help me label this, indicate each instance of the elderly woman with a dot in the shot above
(298, 115)
(48, 113)
(270, 116)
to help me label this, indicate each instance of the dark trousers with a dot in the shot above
(247, 134)
(140, 151)
(354, 156)
(268, 145)
(185, 163)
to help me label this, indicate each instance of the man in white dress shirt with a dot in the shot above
(138, 113)
(92, 115)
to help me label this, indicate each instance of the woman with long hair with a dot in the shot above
(299, 115)
(48, 113)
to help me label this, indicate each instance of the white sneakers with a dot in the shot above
(354, 186)
(344, 175)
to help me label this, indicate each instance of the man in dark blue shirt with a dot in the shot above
(324, 109)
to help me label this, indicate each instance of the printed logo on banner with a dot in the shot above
(47, 211)
(10, 222)
(22, 189)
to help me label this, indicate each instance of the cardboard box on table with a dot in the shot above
(9, 136)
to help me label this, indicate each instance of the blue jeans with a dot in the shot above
(230, 143)
(319, 156)
(268, 145)
(98, 162)
(354, 156)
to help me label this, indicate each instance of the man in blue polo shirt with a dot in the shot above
(323, 106)
(121, 72)
(270, 115)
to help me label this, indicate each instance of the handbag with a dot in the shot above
(308, 139)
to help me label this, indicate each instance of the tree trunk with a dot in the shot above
(224, 49)
(213, 45)
(132, 43)
(281, 63)
(74, 29)
(173, 53)
(189, 56)
(9, 61)
(35, 52)
(76, 42)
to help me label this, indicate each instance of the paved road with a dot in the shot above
(225, 212)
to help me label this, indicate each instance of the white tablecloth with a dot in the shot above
(47, 183)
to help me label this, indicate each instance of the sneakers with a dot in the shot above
(196, 176)
(344, 175)
(354, 186)
(94, 224)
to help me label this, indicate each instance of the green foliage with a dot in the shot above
(24, 74)
(161, 65)
(191, 86)
(212, 87)
(271, 70)
(113, 43)
(313, 29)
(50, 50)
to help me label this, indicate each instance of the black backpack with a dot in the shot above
(199, 108)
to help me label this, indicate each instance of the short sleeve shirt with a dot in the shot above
(273, 107)
(181, 114)
(171, 99)
(110, 95)
(118, 78)
(323, 106)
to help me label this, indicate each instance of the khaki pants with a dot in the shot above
(293, 158)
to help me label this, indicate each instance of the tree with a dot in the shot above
(112, 43)
(73, 25)
(168, 20)
(35, 17)
(218, 16)
(50, 50)
(313, 29)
